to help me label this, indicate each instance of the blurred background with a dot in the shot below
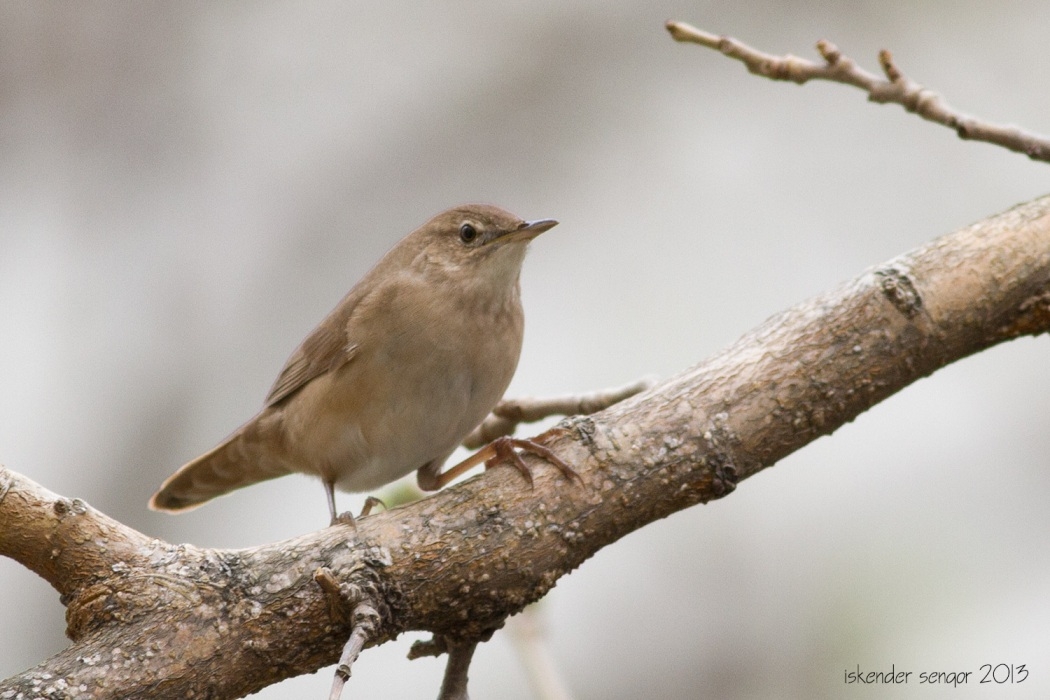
(187, 188)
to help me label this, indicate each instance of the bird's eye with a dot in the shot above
(467, 233)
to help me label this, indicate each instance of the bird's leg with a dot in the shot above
(346, 518)
(329, 491)
(502, 449)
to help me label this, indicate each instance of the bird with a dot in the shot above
(393, 379)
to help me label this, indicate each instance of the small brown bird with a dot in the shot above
(393, 379)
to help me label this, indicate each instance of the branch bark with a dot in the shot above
(148, 618)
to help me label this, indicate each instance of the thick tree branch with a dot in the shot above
(896, 88)
(159, 620)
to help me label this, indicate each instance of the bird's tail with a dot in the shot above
(233, 464)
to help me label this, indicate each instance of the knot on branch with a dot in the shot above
(64, 507)
(900, 290)
(722, 468)
(359, 596)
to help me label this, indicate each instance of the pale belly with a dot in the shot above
(381, 417)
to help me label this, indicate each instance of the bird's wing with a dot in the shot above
(327, 348)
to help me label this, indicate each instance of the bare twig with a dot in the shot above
(422, 648)
(351, 650)
(454, 684)
(896, 88)
(365, 619)
(508, 413)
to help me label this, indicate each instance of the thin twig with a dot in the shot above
(351, 650)
(364, 618)
(454, 684)
(896, 88)
(508, 413)
(422, 648)
(328, 583)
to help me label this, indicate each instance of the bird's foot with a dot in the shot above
(502, 449)
(347, 518)
(505, 450)
(370, 503)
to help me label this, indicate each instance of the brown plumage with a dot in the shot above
(393, 379)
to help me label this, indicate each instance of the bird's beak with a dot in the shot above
(528, 230)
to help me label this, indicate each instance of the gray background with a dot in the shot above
(186, 189)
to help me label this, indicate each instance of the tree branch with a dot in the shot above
(454, 684)
(896, 88)
(154, 619)
(509, 413)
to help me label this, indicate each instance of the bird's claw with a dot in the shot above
(506, 451)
